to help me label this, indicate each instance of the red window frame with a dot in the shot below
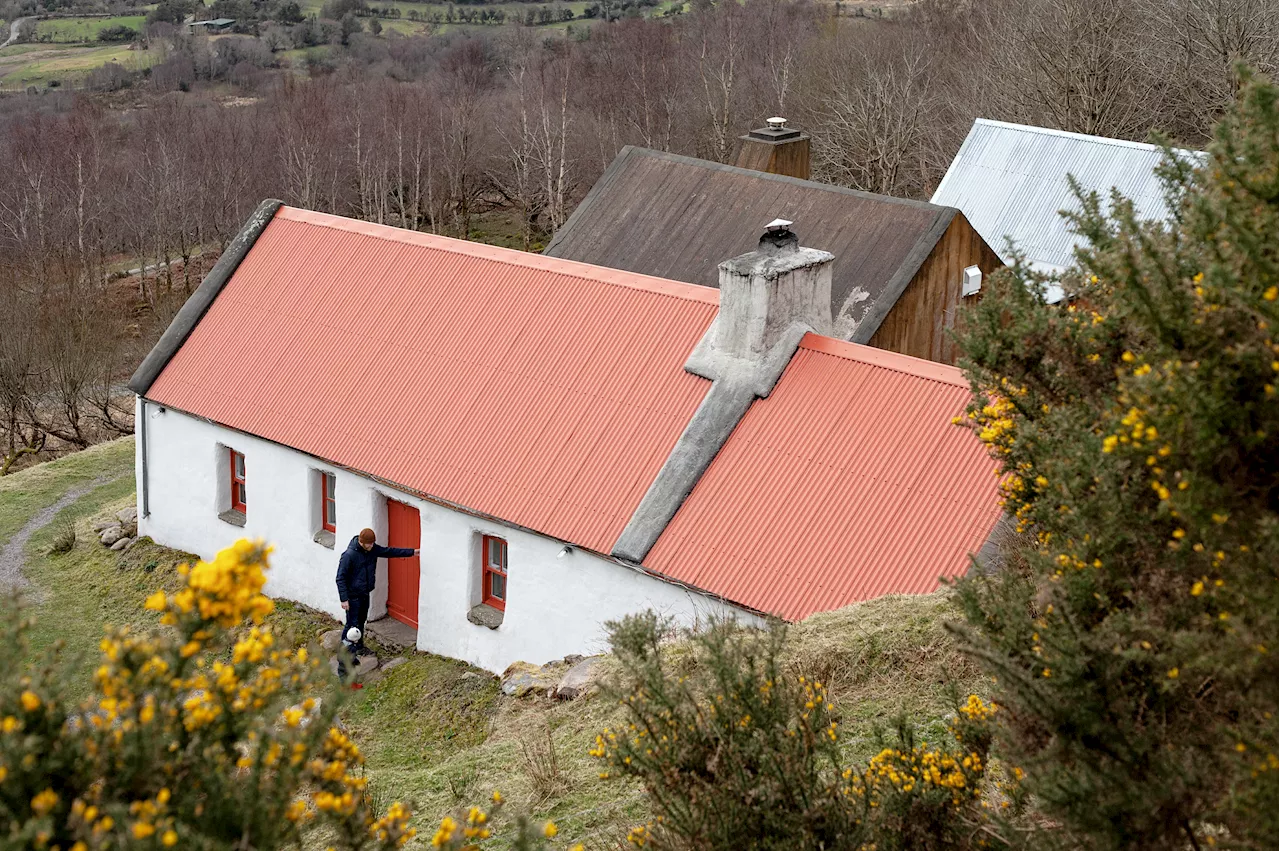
(328, 502)
(491, 569)
(238, 490)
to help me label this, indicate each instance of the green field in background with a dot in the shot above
(82, 30)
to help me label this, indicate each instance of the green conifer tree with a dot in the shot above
(1132, 636)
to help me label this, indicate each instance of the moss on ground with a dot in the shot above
(438, 732)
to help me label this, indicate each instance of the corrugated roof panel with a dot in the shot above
(541, 391)
(1010, 181)
(848, 482)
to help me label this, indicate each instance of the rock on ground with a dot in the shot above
(582, 678)
(392, 664)
(331, 639)
(364, 666)
(122, 544)
(127, 515)
(523, 677)
(110, 535)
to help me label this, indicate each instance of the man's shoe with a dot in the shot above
(361, 650)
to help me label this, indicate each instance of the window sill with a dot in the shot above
(324, 538)
(235, 518)
(483, 615)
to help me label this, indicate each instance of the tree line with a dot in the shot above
(438, 132)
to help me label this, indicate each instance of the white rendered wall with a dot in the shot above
(555, 606)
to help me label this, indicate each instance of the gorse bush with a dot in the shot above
(1134, 647)
(736, 753)
(203, 734)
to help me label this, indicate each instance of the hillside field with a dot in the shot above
(436, 731)
(83, 30)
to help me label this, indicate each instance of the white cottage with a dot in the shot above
(566, 443)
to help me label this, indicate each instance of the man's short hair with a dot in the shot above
(368, 536)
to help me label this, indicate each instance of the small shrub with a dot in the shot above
(118, 32)
(538, 756)
(64, 538)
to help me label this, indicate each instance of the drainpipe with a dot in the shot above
(142, 439)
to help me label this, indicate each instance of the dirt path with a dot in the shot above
(12, 553)
(13, 31)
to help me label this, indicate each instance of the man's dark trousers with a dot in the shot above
(357, 614)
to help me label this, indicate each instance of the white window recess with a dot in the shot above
(972, 281)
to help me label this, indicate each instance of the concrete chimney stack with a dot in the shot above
(769, 299)
(776, 149)
(767, 291)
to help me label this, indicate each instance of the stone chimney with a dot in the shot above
(776, 149)
(765, 292)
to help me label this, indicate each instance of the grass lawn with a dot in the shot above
(82, 30)
(64, 62)
(435, 731)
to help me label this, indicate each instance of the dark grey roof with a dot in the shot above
(677, 217)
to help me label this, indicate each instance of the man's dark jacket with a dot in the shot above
(358, 570)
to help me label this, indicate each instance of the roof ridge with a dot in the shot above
(1069, 134)
(507, 256)
(711, 165)
(885, 359)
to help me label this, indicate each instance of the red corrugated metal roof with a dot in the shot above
(544, 392)
(548, 394)
(848, 482)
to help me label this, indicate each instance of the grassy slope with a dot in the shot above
(45, 62)
(438, 732)
(81, 30)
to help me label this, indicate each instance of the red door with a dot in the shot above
(403, 530)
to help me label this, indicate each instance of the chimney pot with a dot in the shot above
(778, 238)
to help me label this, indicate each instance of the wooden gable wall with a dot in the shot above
(931, 304)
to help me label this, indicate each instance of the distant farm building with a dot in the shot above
(1010, 180)
(217, 25)
(903, 269)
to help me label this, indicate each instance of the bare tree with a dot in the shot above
(873, 119)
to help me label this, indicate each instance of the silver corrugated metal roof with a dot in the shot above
(1010, 180)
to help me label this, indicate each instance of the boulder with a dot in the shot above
(101, 526)
(121, 544)
(127, 515)
(392, 664)
(110, 535)
(581, 678)
(364, 666)
(331, 639)
(522, 677)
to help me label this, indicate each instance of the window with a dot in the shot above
(493, 556)
(239, 499)
(328, 503)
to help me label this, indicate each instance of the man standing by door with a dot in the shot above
(357, 575)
